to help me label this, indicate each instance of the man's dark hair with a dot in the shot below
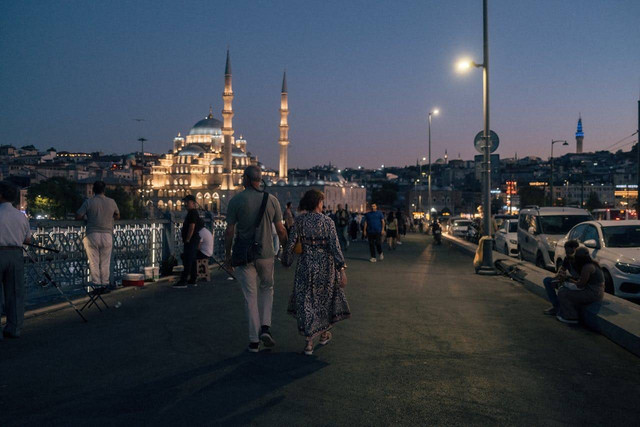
(573, 243)
(311, 200)
(98, 187)
(288, 204)
(8, 191)
(253, 174)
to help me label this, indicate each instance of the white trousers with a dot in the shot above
(98, 247)
(256, 280)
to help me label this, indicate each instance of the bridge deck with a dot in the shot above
(429, 343)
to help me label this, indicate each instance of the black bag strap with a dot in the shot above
(263, 208)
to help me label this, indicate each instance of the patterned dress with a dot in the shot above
(317, 301)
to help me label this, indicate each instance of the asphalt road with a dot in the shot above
(429, 343)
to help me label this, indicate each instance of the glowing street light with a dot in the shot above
(434, 112)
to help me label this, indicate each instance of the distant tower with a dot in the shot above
(446, 157)
(284, 130)
(227, 128)
(579, 135)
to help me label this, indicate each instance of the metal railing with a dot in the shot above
(136, 244)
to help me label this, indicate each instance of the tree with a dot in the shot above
(56, 197)
(593, 202)
(130, 207)
(531, 196)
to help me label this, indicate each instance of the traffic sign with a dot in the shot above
(478, 142)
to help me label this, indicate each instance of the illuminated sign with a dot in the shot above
(537, 184)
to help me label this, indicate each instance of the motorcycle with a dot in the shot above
(437, 235)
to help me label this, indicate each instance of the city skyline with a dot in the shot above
(359, 82)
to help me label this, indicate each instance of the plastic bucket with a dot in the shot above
(148, 273)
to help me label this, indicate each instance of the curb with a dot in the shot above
(613, 317)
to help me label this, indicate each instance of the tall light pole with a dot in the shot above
(431, 113)
(551, 180)
(487, 254)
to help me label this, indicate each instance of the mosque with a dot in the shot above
(209, 161)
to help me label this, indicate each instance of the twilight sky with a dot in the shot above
(362, 75)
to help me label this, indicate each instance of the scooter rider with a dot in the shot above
(436, 231)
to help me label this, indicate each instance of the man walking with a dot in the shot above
(100, 211)
(373, 230)
(342, 221)
(249, 218)
(14, 231)
(191, 238)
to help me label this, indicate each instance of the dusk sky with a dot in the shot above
(362, 75)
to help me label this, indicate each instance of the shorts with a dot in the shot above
(392, 233)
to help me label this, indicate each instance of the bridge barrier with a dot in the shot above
(136, 244)
(613, 317)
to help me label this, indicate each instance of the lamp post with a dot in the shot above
(431, 113)
(551, 180)
(464, 65)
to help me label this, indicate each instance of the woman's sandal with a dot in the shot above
(308, 349)
(325, 338)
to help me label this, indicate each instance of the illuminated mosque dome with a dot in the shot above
(207, 126)
(192, 150)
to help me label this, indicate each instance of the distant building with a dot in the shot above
(579, 136)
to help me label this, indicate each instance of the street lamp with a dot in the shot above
(431, 113)
(551, 180)
(465, 65)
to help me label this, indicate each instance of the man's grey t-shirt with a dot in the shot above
(243, 211)
(99, 211)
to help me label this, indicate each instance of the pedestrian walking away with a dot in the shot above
(191, 239)
(342, 221)
(567, 273)
(14, 232)
(249, 249)
(288, 217)
(100, 211)
(373, 230)
(392, 231)
(318, 300)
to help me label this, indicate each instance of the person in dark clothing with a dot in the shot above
(191, 239)
(353, 228)
(374, 229)
(567, 270)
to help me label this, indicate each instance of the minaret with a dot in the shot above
(446, 157)
(227, 128)
(579, 135)
(284, 130)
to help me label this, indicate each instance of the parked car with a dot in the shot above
(539, 229)
(459, 227)
(612, 214)
(616, 247)
(500, 218)
(506, 239)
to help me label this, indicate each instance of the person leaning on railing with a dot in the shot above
(14, 231)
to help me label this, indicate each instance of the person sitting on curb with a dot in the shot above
(588, 289)
(567, 270)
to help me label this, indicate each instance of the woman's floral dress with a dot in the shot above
(317, 300)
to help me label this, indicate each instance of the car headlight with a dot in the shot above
(628, 268)
(513, 242)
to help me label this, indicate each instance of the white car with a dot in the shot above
(506, 238)
(616, 247)
(539, 229)
(459, 227)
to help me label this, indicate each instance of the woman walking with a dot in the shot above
(317, 301)
(589, 288)
(392, 231)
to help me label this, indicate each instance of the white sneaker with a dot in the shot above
(399, 242)
(380, 257)
(372, 260)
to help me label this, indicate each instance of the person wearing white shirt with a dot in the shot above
(205, 249)
(14, 232)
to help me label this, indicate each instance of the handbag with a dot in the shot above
(297, 249)
(246, 251)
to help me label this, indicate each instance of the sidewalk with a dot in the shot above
(429, 343)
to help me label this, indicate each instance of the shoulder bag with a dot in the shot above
(246, 251)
